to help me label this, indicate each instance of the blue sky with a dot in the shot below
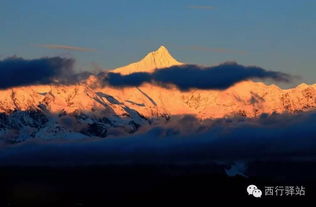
(274, 34)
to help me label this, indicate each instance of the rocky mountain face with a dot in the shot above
(78, 111)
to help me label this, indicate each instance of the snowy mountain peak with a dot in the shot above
(161, 52)
(162, 49)
(160, 58)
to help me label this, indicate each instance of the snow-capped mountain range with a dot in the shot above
(84, 110)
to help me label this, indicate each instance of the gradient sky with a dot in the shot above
(274, 34)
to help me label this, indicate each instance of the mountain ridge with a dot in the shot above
(83, 110)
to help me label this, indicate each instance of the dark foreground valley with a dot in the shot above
(156, 185)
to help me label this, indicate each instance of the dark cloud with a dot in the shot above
(15, 71)
(187, 77)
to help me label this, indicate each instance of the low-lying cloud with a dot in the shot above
(274, 138)
(15, 71)
(186, 77)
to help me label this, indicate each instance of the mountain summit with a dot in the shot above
(160, 58)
